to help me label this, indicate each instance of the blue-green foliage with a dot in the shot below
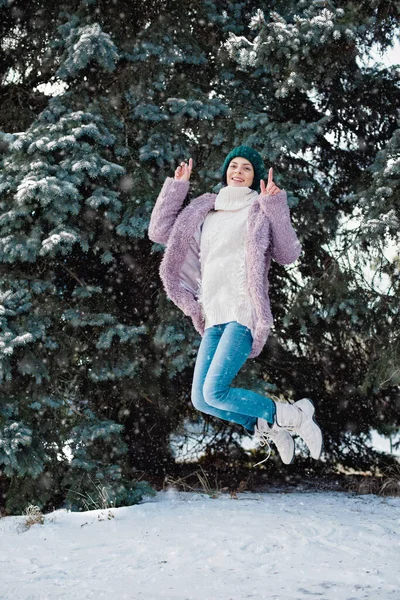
(167, 51)
(15, 438)
(20, 328)
(55, 168)
(90, 473)
(380, 201)
(87, 45)
(61, 336)
(94, 360)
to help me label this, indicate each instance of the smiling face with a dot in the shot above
(240, 172)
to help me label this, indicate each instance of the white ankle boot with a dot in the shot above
(299, 418)
(281, 438)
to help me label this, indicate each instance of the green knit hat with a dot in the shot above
(252, 156)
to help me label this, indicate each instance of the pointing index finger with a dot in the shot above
(270, 175)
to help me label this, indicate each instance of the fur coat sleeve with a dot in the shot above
(166, 208)
(285, 247)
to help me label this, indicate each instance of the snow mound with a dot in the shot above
(186, 546)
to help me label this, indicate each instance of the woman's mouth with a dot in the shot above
(237, 179)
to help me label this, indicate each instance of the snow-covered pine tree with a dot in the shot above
(328, 115)
(151, 50)
(379, 236)
(183, 86)
(69, 343)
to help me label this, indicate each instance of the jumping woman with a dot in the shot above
(215, 269)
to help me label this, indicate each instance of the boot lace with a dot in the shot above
(263, 439)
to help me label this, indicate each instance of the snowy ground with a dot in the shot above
(185, 546)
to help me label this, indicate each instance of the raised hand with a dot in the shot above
(183, 171)
(271, 189)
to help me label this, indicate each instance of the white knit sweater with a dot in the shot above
(222, 289)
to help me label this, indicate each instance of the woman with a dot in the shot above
(215, 269)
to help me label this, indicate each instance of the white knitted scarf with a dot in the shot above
(231, 197)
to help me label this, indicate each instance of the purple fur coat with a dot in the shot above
(270, 235)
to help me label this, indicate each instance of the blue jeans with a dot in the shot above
(223, 351)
